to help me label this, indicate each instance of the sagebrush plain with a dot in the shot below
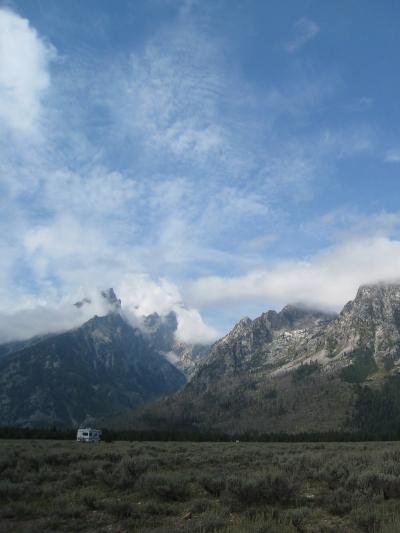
(199, 487)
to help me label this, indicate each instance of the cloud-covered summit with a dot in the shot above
(141, 297)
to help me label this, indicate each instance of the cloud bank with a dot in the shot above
(41, 317)
(327, 280)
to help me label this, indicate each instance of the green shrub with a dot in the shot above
(331, 346)
(305, 370)
(362, 366)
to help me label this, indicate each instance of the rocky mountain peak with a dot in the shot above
(154, 322)
(379, 290)
(161, 329)
(300, 317)
(379, 302)
(110, 296)
(243, 323)
(293, 317)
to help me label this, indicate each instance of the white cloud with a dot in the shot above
(24, 71)
(327, 280)
(142, 296)
(41, 316)
(67, 252)
(305, 30)
(192, 328)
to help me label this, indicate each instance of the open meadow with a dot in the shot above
(199, 487)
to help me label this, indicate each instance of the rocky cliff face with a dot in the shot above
(371, 322)
(369, 327)
(271, 340)
(296, 370)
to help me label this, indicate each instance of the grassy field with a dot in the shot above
(199, 487)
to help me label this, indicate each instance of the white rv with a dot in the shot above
(88, 435)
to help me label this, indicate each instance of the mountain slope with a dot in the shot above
(292, 371)
(100, 368)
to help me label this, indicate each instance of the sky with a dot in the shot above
(217, 158)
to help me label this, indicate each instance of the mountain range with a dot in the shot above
(297, 370)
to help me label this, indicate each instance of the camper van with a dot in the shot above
(88, 435)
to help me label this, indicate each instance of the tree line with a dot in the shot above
(54, 433)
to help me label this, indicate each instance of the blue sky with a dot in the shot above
(218, 158)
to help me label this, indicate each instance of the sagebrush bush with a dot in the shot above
(74, 479)
(261, 488)
(11, 491)
(212, 483)
(339, 502)
(335, 473)
(119, 509)
(200, 505)
(128, 471)
(167, 486)
(90, 500)
(210, 522)
(298, 518)
(368, 518)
